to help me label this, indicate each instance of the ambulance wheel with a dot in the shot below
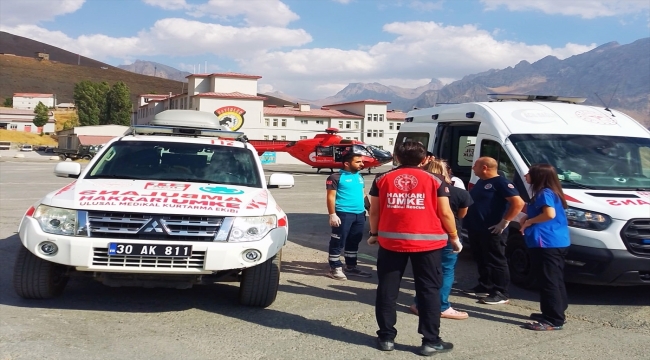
(259, 284)
(519, 262)
(35, 278)
(62, 157)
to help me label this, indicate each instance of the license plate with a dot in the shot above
(122, 249)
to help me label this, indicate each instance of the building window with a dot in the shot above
(267, 121)
(347, 137)
(369, 117)
(275, 122)
(275, 137)
(381, 133)
(390, 126)
(374, 133)
(303, 138)
(390, 141)
(369, 133)
(304, 122)
(284, 122)
(266, 137)
(381, 117)
(27, 128)
(356, 125)
(283, 137)
(14, 127)
(348, 124)
(374, 117)
(397, 126)
(356, 138)
(320, 122)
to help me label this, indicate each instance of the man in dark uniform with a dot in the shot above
(485, 222)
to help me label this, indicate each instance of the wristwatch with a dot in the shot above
(370, 233)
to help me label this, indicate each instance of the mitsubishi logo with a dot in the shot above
(154, 226)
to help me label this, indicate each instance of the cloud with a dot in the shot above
(16, 12)
(587, 9)
(419, 50)
(253, 12)
(342, 1)
(174, 37)
(426, 5)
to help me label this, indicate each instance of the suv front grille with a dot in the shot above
(101, 258)
(636, 236)
(136, 226)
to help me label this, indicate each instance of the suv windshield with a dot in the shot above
(591, 161)
(150, 160)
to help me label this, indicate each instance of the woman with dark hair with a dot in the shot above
(546, 233)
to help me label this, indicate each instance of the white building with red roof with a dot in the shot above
(28, 101)
(23, 120)
(233, 98)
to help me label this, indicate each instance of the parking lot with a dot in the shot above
(314, 317)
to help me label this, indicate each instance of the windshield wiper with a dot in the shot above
(577, 184)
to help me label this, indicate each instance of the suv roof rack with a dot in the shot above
(185, 131)
(523, 97)
(186, 123)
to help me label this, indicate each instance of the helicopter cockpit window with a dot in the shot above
(324, 151)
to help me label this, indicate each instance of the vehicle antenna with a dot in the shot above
(610, 100)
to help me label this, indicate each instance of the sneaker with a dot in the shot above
(355, 271)
(539, 317)
(385, 345)
(336, 274)
(429, 349)
(497, 298)
(452, 313)
(478, 290)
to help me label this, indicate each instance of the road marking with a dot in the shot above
(366, 257)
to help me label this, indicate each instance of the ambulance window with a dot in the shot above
(644, 153)
(421, 137)
(494, 150)
(465, 150)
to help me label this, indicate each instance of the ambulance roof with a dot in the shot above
(535, 117)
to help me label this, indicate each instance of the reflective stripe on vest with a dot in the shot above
(405, 236)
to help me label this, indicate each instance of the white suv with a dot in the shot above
(162, 206)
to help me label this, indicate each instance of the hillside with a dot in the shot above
(21, 74)
(22, 46)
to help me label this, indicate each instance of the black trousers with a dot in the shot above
(489, 252)
(428, 279)
(548, 266)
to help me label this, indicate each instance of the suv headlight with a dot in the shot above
(587, 219)
(251, 228)
(56, 220)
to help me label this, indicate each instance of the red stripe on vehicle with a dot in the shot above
(572, 199)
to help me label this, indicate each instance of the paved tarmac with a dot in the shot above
(314, 317)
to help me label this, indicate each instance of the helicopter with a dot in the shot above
(325, 151)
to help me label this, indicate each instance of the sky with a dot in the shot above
(312, 49)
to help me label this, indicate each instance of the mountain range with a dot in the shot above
(612, 74)
(155, 69)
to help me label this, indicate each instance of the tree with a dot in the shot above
(118, 105)
(9, 102)
(42, 115)
(86, 102)
(90, 99)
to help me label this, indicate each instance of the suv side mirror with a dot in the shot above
(67, 169)
(279, 180)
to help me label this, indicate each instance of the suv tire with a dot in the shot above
(35, 278)
(259, 284)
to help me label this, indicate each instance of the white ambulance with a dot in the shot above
(603, 161)
(171, 204)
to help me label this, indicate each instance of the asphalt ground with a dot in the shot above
(314, 317)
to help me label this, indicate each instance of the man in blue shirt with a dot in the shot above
(496, 204)
(345, 206)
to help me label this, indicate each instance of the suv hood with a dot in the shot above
(621, 205)
(155, 197)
